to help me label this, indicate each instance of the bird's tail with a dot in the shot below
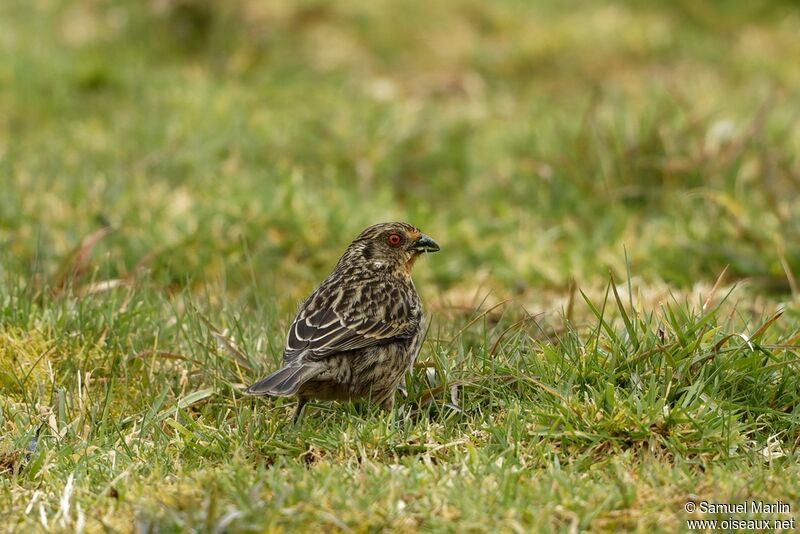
(283, 382)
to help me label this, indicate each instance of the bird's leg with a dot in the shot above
(388, 404)
(301, 402)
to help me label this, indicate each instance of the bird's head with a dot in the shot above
(393, 246)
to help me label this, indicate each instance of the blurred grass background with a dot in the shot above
(163, 156)
(534, 140)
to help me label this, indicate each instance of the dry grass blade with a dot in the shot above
(163, 354)
(75, 263)
(764, 327)
(145, 260)
(714, 289)
(104, 285)
(227, 343)
(573, 287)
(514, 326)
(722, 342)
(478, 318)
(793, 341)
(787, 270)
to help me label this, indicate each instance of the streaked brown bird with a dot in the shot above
(361, 329)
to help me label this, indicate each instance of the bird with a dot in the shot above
(361, 329)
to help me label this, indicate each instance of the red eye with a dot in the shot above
(394, 239)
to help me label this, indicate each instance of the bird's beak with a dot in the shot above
(425, 244)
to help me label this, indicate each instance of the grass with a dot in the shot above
(614, 319)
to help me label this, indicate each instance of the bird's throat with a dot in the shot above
(409, 265)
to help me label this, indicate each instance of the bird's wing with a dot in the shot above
(338, 319)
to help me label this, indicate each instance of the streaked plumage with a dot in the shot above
(361, 329)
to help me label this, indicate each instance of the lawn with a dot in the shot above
(614, 316)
